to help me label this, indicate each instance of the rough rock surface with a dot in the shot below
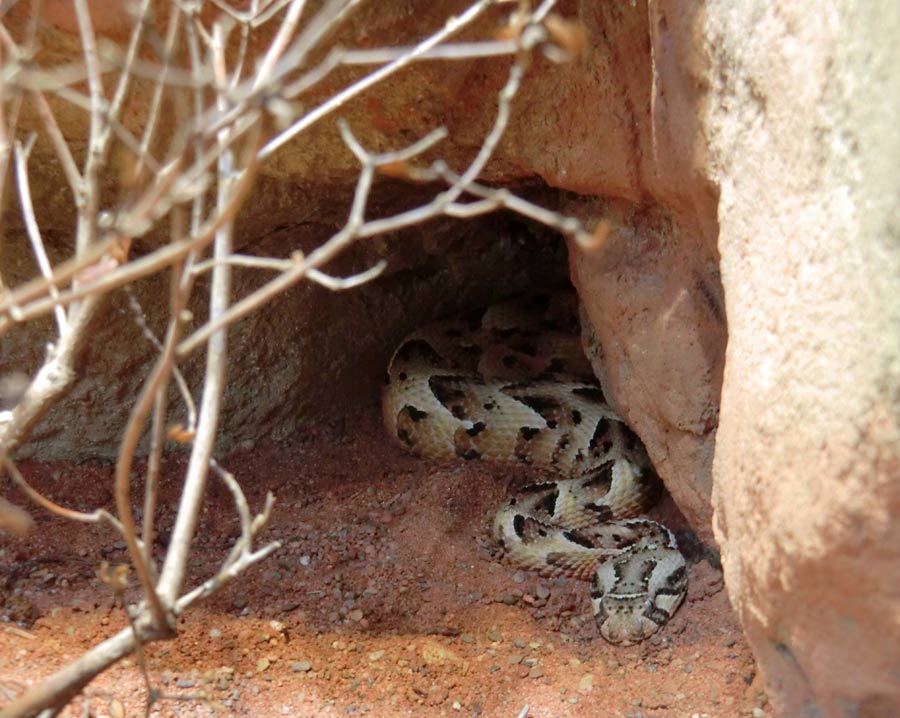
(807, 466)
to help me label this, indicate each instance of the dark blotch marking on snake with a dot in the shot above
(596, 590)
(602, 476)
(415, 414)
(548, 503)
(603, 512)
(470, 454)
(578, 538)
(674, 582)
(528, 433)
(519, 525)
(600, 431)
(546, 407)
(476, 428)
(592, 393)
(446, 388)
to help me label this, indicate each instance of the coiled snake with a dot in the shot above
(513, 384)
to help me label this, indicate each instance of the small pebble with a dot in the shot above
(535, 672)
(376, 655)
(301, 666)
(519, 577)
(758, 713)
(495, 636)
(542, 592)
(467, 638)
(356, 615)
(304, 560)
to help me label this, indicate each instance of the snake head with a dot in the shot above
(627, 619)
(634, 594)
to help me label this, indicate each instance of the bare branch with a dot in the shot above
(452, 26)
(34, 233)
(54, 508)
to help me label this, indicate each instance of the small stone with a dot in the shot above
(356, 615)
(758, 712)
(215, 633)
(185, 683)
(376, 655)
(536, 672)
(304, 560)
(301, 666)
(586, 684)
(519, 643)
(467, 638)
(494, 668)
(262, 664)
(495, 636)
(519, 577)
(542, 592)
(239, 602)
(515, 659)
(116, 708)
(456, 705)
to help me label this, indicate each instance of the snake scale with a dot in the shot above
(512, 384)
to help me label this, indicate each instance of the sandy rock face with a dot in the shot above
(807, 463)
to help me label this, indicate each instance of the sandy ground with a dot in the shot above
(384, 599)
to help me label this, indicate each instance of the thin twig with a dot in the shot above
(34, 232)
(174, 566)
(452, 26)
(94, 517)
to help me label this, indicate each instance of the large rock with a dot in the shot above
(802, 125)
